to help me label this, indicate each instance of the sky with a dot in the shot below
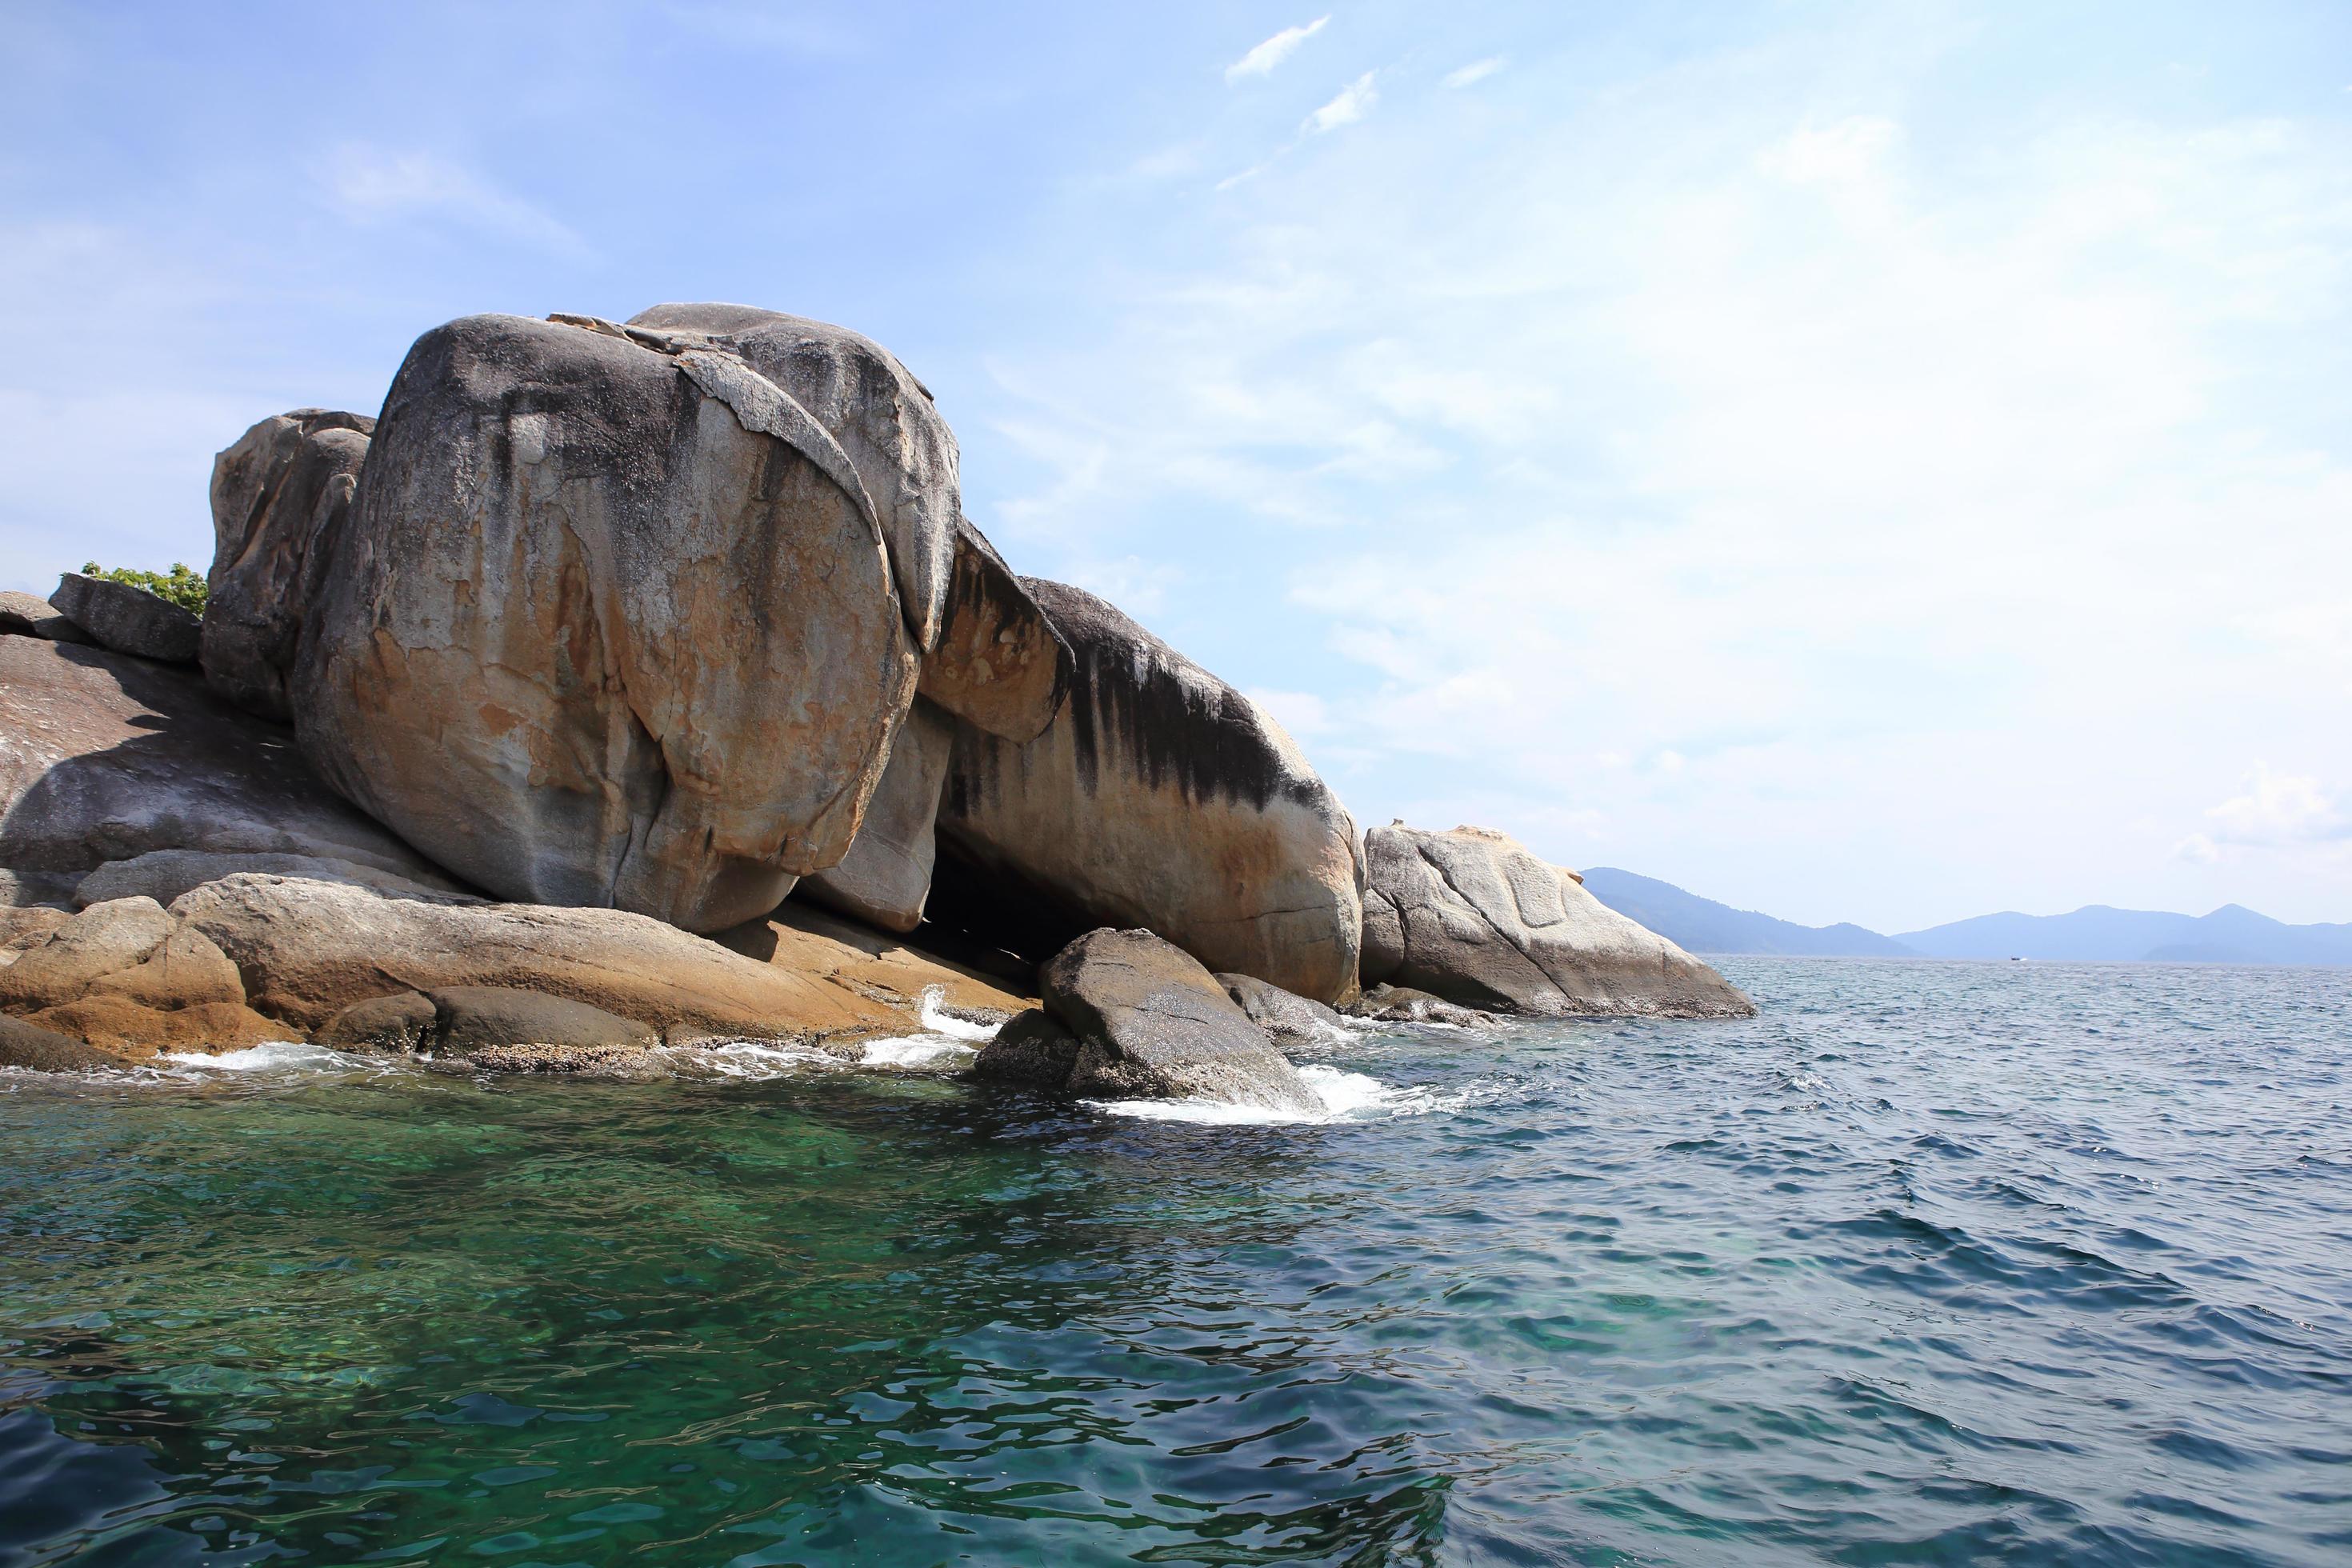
(1880, 462)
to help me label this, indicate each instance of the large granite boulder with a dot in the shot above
(886, 875)
(1472, 916)
(1151, 1024)
(883, 418)
(285, 483)
(1161, 797)
(105, 758)
(999, 665)
(611, 623)
(128, 619)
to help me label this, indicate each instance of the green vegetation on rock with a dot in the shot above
(180, 585)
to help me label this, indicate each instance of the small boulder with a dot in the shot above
(1473, 917)
(1402, 1005)
(186, 971)
(103, 940)
(28, 615)
(24, 1045)
(1290, 1020)
(1031, 1048)
(401, 1024)
(127, 619)
(1153, 1023)
(285, 484)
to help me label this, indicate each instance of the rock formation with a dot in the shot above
(610, 625)
(1000, 664)
(1472, 916)
(886, 875)
(1151, 1024)
(128, 619)
(1288, 1020)
(286, 483)
(104, 758)
(24, 616)
(1161, 798)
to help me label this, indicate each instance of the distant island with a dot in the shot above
(2095, 933)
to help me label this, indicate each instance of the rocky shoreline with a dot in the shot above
(624, 686)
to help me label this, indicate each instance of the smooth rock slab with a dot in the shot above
(27, 616)
(128, 620)
(1472, 916)
(1151, 1024)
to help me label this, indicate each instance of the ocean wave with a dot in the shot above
(1345, 1097)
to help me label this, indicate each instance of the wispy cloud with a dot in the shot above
(2279, 810)
(1261, 60)
(1476, 71)
(1355, 101)
(372, 185)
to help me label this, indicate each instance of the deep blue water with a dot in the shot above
(1927, 1263)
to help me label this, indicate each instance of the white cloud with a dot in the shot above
(1261, 60)
(2278, 810)
(372, 185)
(1355, 101)
(1476, 71)
(1303, 713)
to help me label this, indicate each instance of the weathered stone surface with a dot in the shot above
(1153, 1023)
(469, 1018)
(308, 950)
(101, 941)
(1473, 917)
(883, 418)
(27, 616)
(186, 971)
(886, 875)
(286, 482)
(877, 966)
(1161, 798)
(29, 926)
(631, 1063)
(132, 1031)
(163, 875)
(1031, 1048)
(24, 1045)
(127, 619)
(1000, 664)
(401, 1022)
(608, 625)
(1290, 1020)
(104, 757)
(1402, 1005)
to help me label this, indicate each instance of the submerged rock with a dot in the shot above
(106, 758)
(1472, 916)
(1160, 797)
(1402, 1005)
(1151, 1024)
(610, 625)
(127, 619)
(284, 485)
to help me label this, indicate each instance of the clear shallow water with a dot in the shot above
(1930, 1263)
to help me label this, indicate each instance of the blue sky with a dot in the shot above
(1868, 462)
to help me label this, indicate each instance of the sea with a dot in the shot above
(1926, 1263)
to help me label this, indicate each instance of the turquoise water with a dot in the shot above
(1929, 1263)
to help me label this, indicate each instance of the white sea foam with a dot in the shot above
(936, 1019)
(756, 1060)
(918, 1052)
(1345, 1097)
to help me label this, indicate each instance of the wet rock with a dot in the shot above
(104, 940)
(27, 616)
(1402, 1005)
(886, 875)
(531, 651)
(285, 483)
(1160, 797)
(472, 1018)
(127, 619)
(108, 758)
(24, 1045)
(133, 1031)
(629, 1063)
(1472, 916)
(401, 1024)
(1031, 1048)
(1290, 1020)
(1153, 1023)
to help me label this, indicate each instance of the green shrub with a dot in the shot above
(182, 587)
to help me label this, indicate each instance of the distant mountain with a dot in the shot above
(2230, 935)
(1702, 925)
